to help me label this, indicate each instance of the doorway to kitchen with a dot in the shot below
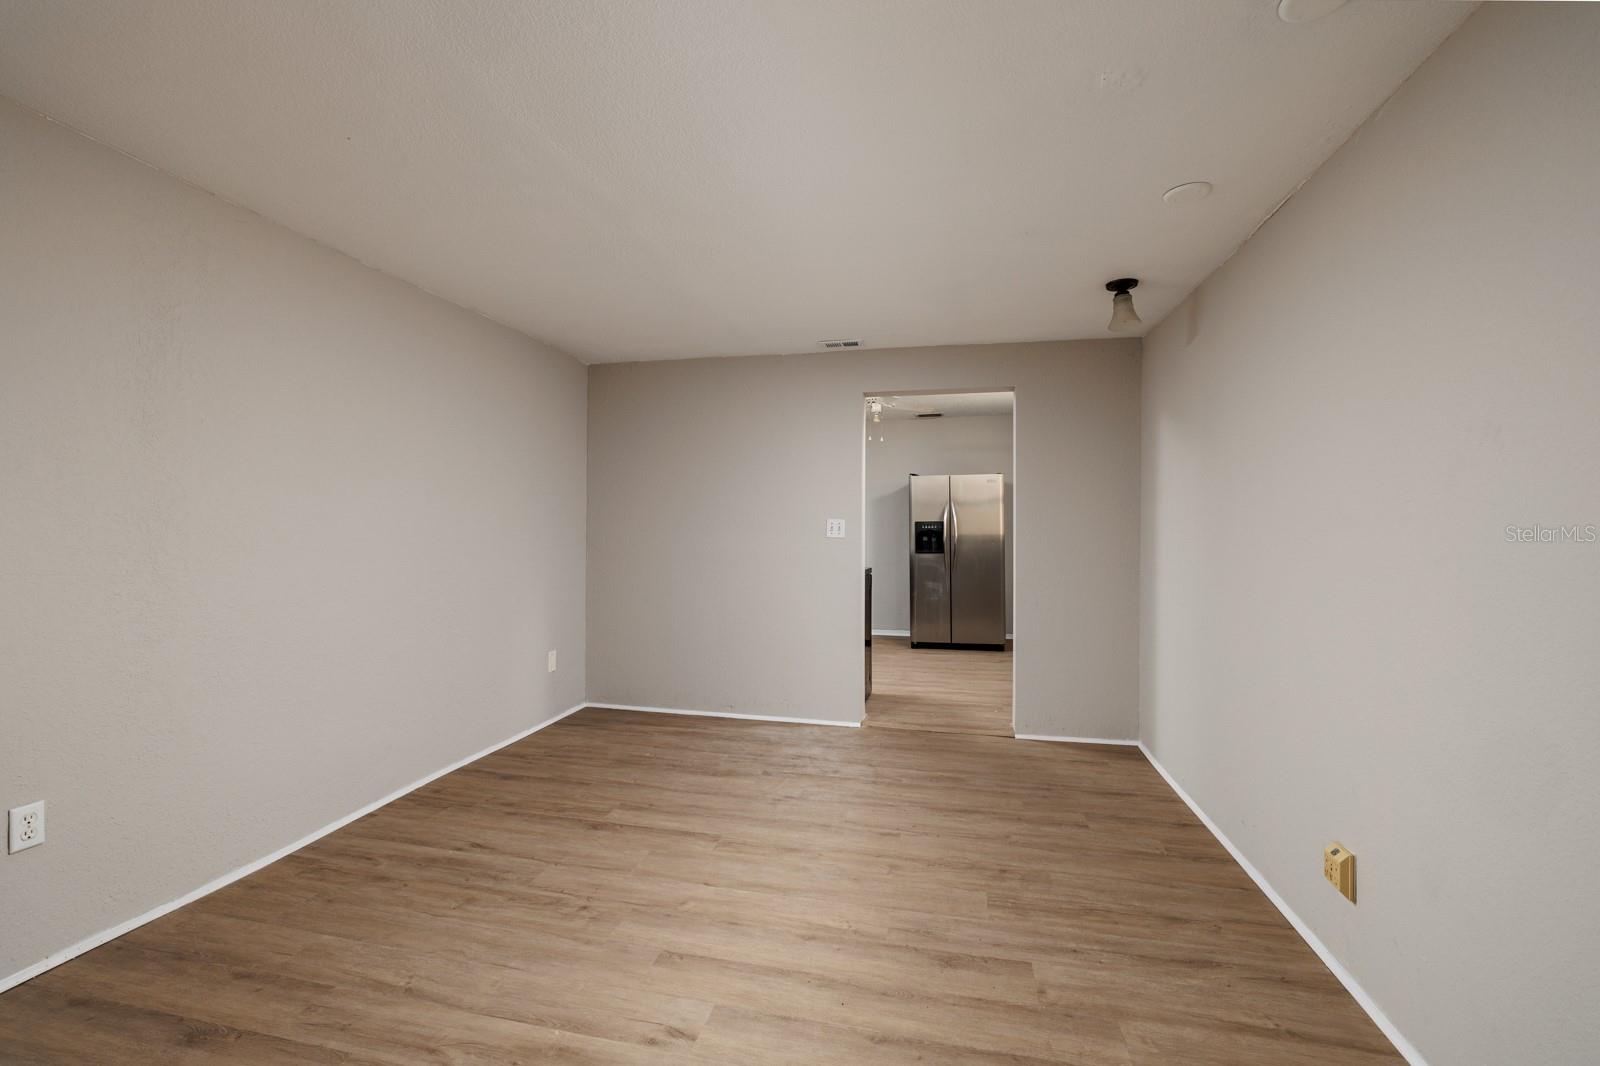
(938, 479)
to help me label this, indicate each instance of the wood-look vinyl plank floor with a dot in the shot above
(939, 690)
(627, 888)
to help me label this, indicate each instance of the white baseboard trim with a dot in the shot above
(1407, 1050)
(1077, 740)
(94, 941)
(722, 714)
(907, 633)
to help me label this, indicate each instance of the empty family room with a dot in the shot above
(799, 533)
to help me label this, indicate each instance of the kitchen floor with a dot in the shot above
(939, 690)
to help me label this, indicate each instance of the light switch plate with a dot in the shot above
(550, 661)
(835, 527)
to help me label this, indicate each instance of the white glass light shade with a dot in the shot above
(1123, 316)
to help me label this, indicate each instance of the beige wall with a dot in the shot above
(278, 534)
(712, 587)
(1339, 640)
(973, 444)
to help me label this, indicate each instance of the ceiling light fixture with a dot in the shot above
(1187, 193)
(875, 409)
(1123, 317)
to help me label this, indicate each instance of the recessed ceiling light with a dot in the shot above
(1307, 10)
(1188, 192)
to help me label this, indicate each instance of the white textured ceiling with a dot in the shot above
(689, 177)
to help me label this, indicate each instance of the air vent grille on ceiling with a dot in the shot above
(841, 344)
(932, 414)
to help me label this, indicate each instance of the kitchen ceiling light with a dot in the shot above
(1123, 317)
(875, 408)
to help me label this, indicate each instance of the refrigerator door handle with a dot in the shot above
(952, 531)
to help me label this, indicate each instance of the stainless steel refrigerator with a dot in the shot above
(958, 560)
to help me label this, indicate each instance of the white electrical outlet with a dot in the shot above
(26, 827)
(550, 660)
(835, 527)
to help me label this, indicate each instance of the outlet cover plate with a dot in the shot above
(1339, 868)
(25, 826)
(835, 527)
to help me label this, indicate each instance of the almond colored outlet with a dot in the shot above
(1339, 867)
